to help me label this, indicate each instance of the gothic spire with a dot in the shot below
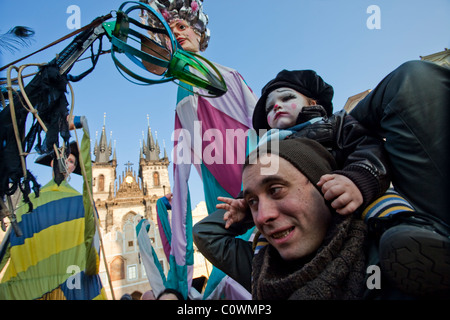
(165, 152)
(150, 149)
(102, 151)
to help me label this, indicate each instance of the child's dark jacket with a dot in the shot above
(359, 154)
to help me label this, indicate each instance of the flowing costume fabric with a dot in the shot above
(211, 134)
(149, 258)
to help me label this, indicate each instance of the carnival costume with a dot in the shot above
(201, 125)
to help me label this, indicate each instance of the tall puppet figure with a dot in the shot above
(210, 133)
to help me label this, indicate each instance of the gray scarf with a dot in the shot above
(336, 271)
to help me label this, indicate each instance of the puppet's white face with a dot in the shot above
(185, 35)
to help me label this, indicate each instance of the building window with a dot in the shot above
(132, 272)
(161, 262)
(117, 269)
(101, 183)
(155, 178)
(129, 237)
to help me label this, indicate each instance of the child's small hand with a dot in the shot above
(236, 209)
(169, 197)
(344, 195)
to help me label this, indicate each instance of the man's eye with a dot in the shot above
(251, 202)
(274, 191)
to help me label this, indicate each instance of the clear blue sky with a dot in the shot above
(257, 37)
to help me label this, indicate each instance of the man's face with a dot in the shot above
(286, 208)
(283, 106)
(186, 36)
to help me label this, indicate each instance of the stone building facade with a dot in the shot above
(122, 201)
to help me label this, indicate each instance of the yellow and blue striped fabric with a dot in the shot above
(390, 203)
(52, 248)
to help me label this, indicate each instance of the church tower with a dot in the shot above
(103, 168)
(153, 171)
(122, 201)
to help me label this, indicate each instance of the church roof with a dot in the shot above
(151, 150)
(103, 149)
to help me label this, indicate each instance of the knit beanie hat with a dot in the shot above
(307, 155)
(307, 82)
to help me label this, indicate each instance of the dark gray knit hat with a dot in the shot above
(307, 155)
(307, 82)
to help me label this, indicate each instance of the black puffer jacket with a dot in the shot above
(358, 153)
